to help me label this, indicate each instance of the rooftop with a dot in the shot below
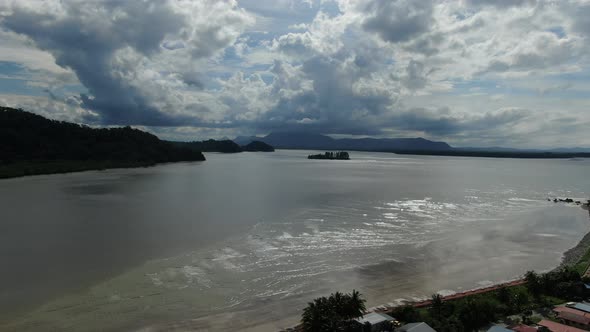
(374, 318)
(523, 328)
(415, 327)
(556, 327)
(581, 306)
(498, 328)
(573, 315)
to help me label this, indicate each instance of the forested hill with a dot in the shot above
(224, 146)
(32, 139)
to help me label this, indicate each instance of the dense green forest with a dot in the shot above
(32, 144)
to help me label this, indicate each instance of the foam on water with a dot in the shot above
(277, 259)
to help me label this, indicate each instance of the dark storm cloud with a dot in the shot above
(332, 105)
(86, 43)
(398, 21)
(104, 42)
(441, 123)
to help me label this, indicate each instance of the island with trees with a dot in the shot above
(31, 144)
(342, 155)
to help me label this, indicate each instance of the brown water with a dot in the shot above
(246, 240)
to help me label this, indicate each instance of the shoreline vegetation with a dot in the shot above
(527, 300)
(49, 167)
(33, 145)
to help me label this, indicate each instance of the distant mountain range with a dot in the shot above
(418, 146)
(323, 142)
(402, 145)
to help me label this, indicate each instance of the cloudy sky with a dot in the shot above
(470, 72)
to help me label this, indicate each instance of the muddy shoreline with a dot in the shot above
(572, 256)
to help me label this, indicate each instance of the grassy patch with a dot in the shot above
(583, 263)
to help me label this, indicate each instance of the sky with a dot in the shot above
(469, 72)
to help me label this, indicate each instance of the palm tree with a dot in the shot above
(357, 306)
(334, 313)
(314, 317)
(437, 305)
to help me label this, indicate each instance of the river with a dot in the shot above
(245, 240)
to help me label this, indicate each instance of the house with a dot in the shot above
(573, 317)
(415, 327)
(556, 327)
(498, 328)
(582, 306)
(379, 322)
(523, 328)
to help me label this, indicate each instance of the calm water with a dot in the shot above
(247, 239)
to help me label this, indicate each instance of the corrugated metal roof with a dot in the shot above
(374, 318)
(415, 327)
(573, 317)
(556, 327)
(498, 328)
(582, 306)
(571, 310)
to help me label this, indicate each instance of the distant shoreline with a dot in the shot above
(466, 153)
(498, 154)
(51, 167)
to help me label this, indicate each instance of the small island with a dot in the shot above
(342, 155)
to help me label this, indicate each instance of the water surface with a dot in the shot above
(247, 239)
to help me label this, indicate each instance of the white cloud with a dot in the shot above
(464, 70)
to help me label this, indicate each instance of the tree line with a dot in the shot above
(342, 155)
(541, 291)
(29, 137)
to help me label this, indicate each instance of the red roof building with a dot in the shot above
(523, 328)
(571, 316)
(556, 327)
